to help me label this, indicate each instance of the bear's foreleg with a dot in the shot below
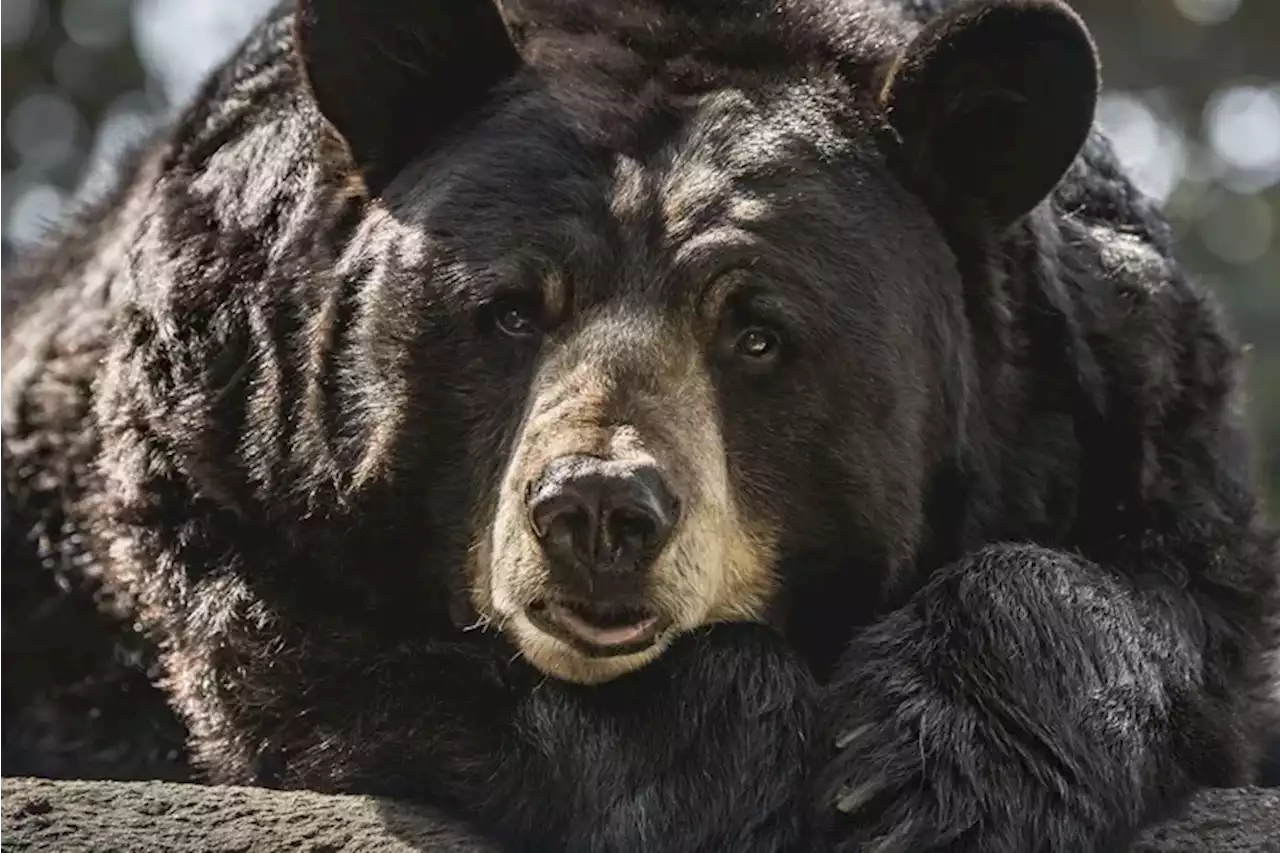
(1027, 699)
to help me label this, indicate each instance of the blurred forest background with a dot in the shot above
(1192, 102)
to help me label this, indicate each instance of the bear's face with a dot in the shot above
(665, 368)
(661, 352)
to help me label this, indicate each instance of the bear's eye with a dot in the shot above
(517, 315)
(758, 343)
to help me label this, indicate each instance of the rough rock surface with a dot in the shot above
(142, 817)
(74, 817)
(1226, 820)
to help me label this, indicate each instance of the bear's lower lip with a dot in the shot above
(597, 632)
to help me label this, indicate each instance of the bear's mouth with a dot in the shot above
(598, 629)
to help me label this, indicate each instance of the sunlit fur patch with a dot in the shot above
(627, 388)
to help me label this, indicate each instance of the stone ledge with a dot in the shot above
(77, 817)
(142, 817)
(1221, 820)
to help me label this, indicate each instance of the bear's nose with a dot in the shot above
(597, 515)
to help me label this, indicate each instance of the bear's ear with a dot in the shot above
(990, 103)
(389, 74)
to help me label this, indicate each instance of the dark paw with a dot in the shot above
(938, 739)
(893, 783)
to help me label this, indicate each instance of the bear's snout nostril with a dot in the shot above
(564, 521)
(626, 528)
(596, 515)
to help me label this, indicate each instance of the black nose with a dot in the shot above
(598, 515)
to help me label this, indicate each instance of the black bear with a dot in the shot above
(762, 426)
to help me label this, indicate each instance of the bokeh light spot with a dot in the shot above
(1207, 12)
(44, 128)
(33, 212)
(1243, 126)
(18, 21)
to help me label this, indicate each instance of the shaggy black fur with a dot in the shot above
(251, 408)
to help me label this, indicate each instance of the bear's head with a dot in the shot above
(669, 309)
